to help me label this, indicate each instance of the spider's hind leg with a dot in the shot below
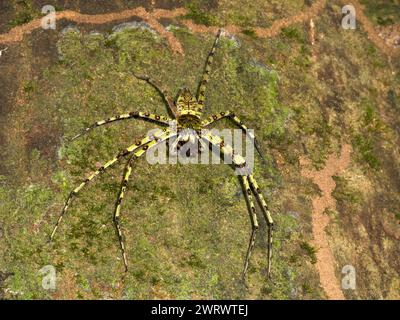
(253, 219)
(127, 173)
(267, 216)
(74, 193)
(231, 116)
(117, 212)
(239, 162)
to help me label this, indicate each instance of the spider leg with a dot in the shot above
(239, 162)
(137, 115)
(253, 219)
(267, 215)
(159, 136)
(231, 116)
(128, 170)
(206, 74)
(164, 93)
(117, 212)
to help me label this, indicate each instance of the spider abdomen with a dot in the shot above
(189, 121)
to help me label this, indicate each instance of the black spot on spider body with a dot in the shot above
(147, 114)
(117, 117)
(145, 148)
(101, 169)
(222, 113)
(215, 117)
(248, 191)
(157, 117)
(134, 114)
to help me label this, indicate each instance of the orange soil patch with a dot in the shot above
(16, 34)
(272, 31)
(323, 178)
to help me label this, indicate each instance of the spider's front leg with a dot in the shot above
(248, 180)
(159, 135)
(231, 116)
(206, 74)
(164, 93)
(135, 115)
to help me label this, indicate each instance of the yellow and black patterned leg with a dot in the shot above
(128, 170)
(117, 212)
(267, 215)
(206, 74)
(253, 219)
(158, 136)
(240, 162)
(230, 115)
(164, 93)
(135, 115)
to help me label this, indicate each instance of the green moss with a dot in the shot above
(365, 146)
(199, 16)
(307, 288)
(294, 33)
(30, 86)
(21, 18)
(310, 251)
(343, 193)
(250, 32)
(365, 142)
(382, 12)
(26, 12)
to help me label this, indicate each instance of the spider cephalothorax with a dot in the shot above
(187, 112)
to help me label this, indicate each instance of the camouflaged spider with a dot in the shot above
(187, 111)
